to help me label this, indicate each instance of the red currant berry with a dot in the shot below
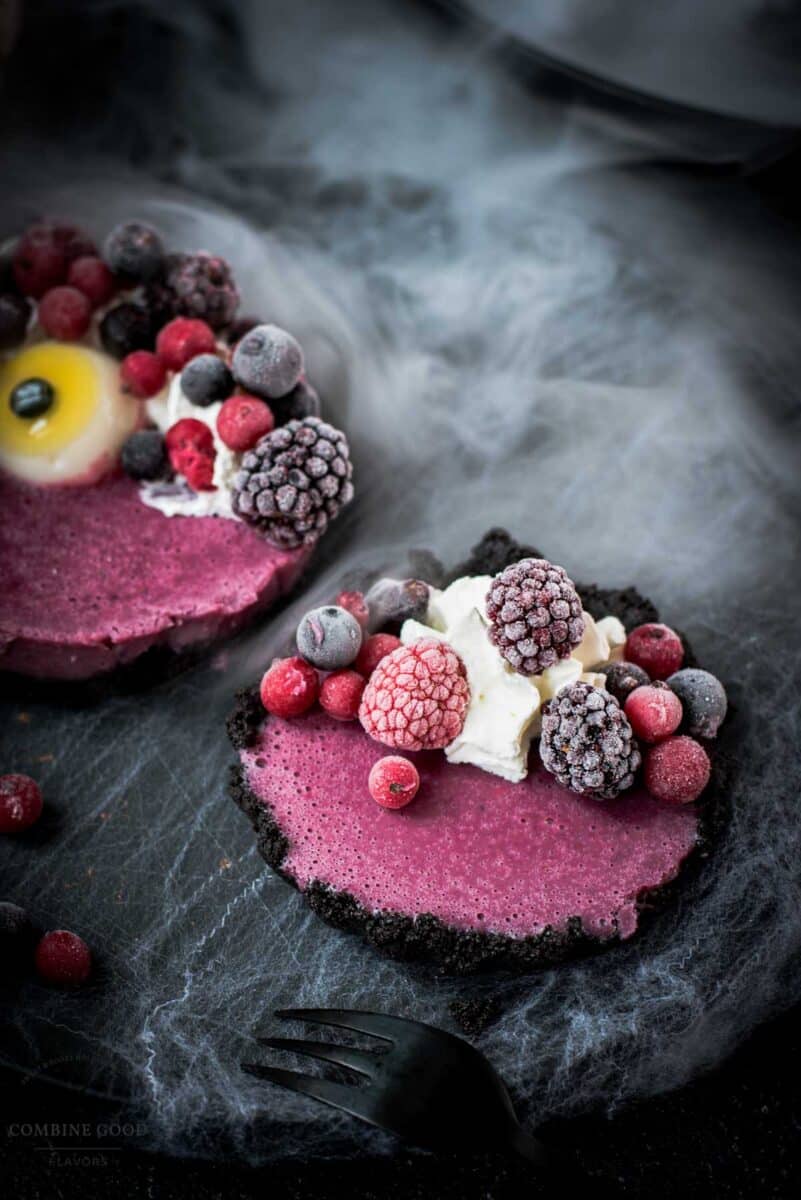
(289, 688)
(143, 374)
(677, 770)
(62, 957)
(20, 803)
(182, 340)
(65, 313)
(393, 781)
(341, 694)
(92, 277)
(190, 449)
(654, 712)
(356, 605)
(655, 648)
(243, 420)
(373, 649)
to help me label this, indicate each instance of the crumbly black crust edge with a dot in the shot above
(426, 938)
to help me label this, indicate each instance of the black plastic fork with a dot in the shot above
(423, 1084)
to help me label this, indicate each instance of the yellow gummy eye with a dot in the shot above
(72, 373)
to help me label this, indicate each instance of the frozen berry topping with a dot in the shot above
(243, 420)
(655, 648)
(125, 328)
(39, 261)
(374, 648)
(417, 697)
(677, 770)
(356, 605)
(62, 958)
(91, 276)
(206, 379)
(15, 313)
(290, 687)
(20, 803)
(329, 637)
(202, 285)
(144, 455)
(294, 482)
(393, 781)
(64, 313)
(143, 374)
(535, 615)
(268, 361)
(190, 448)
(182, 340)
(654, 712)
(703, 698)
(302, 401)
(393, 601)
(588, 743)
(341, 694)
(622, 678)
(135, 252)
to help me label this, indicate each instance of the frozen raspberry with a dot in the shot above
(655, 648)
(15, 313)
(20, 803)
(268, 361)
(374, 648)
(190, 449)
(417, 697)
(622, 678)
(654, 712)
(356, 605)
(243, 420)
(65, 313)
(588, 743)
(393, 601)
(703, 698)
(143, 374)
(202, 285)
(393, 781)
(92, 277)
(677, 770)
(535, 615)
(62, 957)
(182, 340)
(144, 455)
(289, 688)
(341, 695)
(329, 637)
(135, 252)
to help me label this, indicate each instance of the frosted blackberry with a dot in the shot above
(329, 637)
(588, 743)
(535, 615)
(202, 285)
(294, 482)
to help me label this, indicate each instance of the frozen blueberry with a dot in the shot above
(15, 312)
(393, 601)
(144, 455)
(125, 328)
(135, 252)
(301, 402)
(329, 637)
(622, 678)
(206, 379)
(703, 698)
(268, 362)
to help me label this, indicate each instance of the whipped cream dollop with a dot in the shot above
(176, 498)
(504, 710)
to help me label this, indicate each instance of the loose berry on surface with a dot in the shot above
(243, 420)
(393, 601)
(206, 379)
(143, 374)
(190, 449)
(655, 648)
(294, 482)
(703, 698)
(302, 401)
(202, 285)
(535, 615)
(20, 803)
(622, 678)
(91, 276)
(588, 743)
(329, 637)
(64, 313)
(341, 694)
(144, 455)
(289, 688)
(374, 648)
(62, 957)
(677, 770)
(268, 361)
(135, 252)
(654, 712)
(125, 328)
(182, 340)
(356, 605)
(417, 697)
(15, 313)
(393, 781)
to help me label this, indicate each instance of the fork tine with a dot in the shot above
(342, 1056)
(349, 1099)
(376, 1024)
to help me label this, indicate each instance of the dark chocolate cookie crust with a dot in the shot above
(426, 938)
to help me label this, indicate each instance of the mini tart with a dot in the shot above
(477, 871)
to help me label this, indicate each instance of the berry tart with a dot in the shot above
(164, 468)
(496, 767)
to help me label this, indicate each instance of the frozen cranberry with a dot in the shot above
(91, 276)
(374, 648)
(143, 374)
(677, 770)
(190, 449)
(62, 957)
(20, 803)
(393, 781)
(242, 420)
(654, 712)
(356, 605)
(65, 313)
(289, 688)
(341, 694)
(182, 340)
(655, 648)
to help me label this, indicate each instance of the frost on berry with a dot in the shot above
(417, 697)
(535, 615)
(587, 742)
